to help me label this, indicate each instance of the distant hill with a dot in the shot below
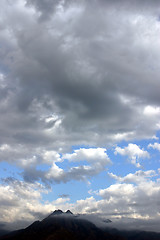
(67, 226)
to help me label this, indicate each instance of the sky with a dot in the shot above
(80, 110)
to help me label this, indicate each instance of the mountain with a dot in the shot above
(66, 226)
(61, 226)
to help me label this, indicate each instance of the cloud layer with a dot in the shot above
(77, 74)
(134, 196)
(133, 152)
(76, 78)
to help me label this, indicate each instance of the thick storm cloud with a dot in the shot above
(76, 72)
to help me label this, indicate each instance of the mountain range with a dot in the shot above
(66, 226)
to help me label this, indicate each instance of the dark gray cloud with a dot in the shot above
(64, 195)
(44, 7)
(76, 73)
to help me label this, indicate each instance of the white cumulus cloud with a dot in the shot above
(154, 146)
(133, 152)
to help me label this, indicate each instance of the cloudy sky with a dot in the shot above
(80, 109)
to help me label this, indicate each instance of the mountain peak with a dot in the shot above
(57, 212)
(69, 212)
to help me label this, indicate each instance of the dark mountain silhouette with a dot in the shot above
(69, 212)
(66, 226)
